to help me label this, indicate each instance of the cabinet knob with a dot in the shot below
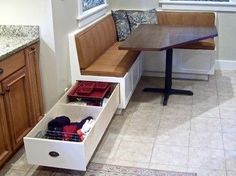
(54, 154)
(1, 71)
(7, 89)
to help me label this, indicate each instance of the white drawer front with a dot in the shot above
(71, 155)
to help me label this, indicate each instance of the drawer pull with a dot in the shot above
(1, 71)
(2, 93)
(54, 154)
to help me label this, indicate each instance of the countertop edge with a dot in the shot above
(5, 56)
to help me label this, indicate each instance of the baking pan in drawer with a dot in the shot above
(66, 154)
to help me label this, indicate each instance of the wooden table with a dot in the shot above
(151, 37)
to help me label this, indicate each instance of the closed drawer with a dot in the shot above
(11, 64)
(70, 155)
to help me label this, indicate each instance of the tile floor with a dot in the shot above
(193, 133)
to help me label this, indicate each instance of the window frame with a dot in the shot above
(86, 17)
(198, 5)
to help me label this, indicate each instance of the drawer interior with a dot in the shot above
(76, 113)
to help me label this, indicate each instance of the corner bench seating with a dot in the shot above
(98, 51)
(99, 58)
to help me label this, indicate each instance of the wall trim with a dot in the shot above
(177, 75)
(225, 65)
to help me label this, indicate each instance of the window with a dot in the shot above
(89, 4)
(204, 5)
(90, 10)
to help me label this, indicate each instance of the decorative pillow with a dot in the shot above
(137, 17)
(122, 24)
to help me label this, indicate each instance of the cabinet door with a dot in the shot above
(5, 147)
(32, 65)
(17, 106)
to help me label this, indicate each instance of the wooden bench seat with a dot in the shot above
(113, 62)
(207, 44)
(98, 51)
(190, 19)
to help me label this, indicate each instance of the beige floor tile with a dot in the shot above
(205, 111)
(230, 157)
(150, 118)
(229, 140)
(204, 139)
(147, 97)
(228, 111)
(174, 123)
(16, 172)
(204, 158)
(130, 163)
(108, 147)
(228, 126)
(170, 155)
(119, 124)
(148, 108)
(41, 171)
(231, 173)
(207, 172)
(173, 138)
(134, 151)
(227, 100)
(180, 100)
(168, 167)
(142, 132)
(206, 124)
(177, 110)
(131, 107)
(102, 160)
(21, 164)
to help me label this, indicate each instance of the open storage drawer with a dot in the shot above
(66, 154)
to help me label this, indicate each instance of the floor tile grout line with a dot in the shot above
(154, 143)
(188, 160)
(121, 140)
(217, 90)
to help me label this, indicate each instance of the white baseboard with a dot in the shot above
(225, 65)
(177, 75)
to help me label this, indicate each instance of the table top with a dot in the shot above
(154, 37)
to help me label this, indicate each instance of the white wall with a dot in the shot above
(56, 18)
(227, 35)
(64, 19)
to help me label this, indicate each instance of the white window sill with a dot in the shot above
(91, 15)
(198, 5)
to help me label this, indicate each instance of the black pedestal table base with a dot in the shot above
(167, 91)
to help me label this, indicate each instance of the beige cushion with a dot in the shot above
(113, 62)
(94, 41)
(207, 44)
(190, 19)
(186, 18)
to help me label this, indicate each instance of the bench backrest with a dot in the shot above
(95, 40)
(186, 18)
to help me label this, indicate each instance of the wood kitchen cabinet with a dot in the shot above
(5, 145)
(17, 106)
(32, 65)
(20, 100)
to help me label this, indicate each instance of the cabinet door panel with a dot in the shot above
(32, 65)
(17, 106)
(5, 147)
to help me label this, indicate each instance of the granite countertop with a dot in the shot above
(16, 37)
